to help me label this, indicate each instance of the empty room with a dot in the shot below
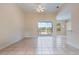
(39, 29)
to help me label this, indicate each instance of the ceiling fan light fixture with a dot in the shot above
(40, 9)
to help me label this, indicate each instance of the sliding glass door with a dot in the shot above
(45, 27)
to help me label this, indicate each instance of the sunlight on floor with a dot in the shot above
(47, 44)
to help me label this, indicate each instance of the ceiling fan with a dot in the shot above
(40, 8)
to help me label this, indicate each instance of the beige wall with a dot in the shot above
(75, 24)
(11, 24)
(32, 20)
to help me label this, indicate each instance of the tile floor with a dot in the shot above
(42, 45)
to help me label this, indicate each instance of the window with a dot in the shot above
(45, 27)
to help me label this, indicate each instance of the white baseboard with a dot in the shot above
(73, 45)
(10, 43)
(28, 36)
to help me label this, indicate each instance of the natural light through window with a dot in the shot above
(45, 27)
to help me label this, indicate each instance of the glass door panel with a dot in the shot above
(45, 27)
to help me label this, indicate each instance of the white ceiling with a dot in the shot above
(49, 7)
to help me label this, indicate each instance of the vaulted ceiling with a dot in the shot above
(49, 7)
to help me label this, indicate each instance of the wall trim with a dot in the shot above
(71, 44)
(8, 44)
